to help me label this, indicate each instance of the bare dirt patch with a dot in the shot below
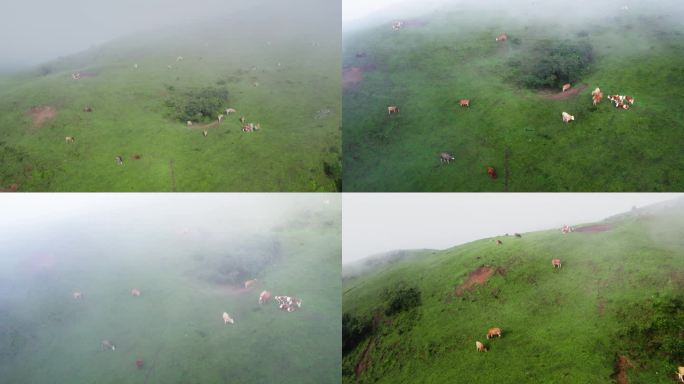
(620, 367)
(351, 76)
(562, 95)
(41, 114)
(595, 228)
(476, 277)
(364, 362)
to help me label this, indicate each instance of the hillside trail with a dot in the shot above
(562, 95)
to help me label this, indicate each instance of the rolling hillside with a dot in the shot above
(280, 68)
(435, 60)
(614, 312)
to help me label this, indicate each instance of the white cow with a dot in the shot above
(227, 319)
(220, 118)
(230, 110)
(567, 117)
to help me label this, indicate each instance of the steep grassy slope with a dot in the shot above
(175, 326)
(293, 59)
(559, 326)
(434, 61)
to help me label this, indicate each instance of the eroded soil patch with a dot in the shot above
(41, 114)
(476, 277)
(594, 228)
(620, 367)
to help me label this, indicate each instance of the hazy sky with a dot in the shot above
(376, 223)
(34, 31)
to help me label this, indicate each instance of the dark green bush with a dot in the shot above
(354, 331)
(402, 299)
(551, 63)
(199, 105)
(654, 328)
(334, 171)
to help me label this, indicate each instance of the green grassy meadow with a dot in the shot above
(294, 61)
(559, 326)
(437, 59)
(176, 325)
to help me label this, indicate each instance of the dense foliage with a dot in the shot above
(550, 63)
(198, 105)
(354, 331)
(402, 299)
(655, 327)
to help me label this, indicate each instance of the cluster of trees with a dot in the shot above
(551, 63)
(199, 104)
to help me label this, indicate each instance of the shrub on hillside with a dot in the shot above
(354, 331)
(654, 327)
(551, 63)
(402, 299)
(334, 171)
(199, 105)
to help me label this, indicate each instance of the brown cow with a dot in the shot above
(392, 109)
(480, 347)
(499, 242)
(501, 37)
(249, 283)
(493, 332)
(464, 102)
(566, 87)
(556, 263)
(135, 292)
(492, 172)
(596, 98)
(264, 297)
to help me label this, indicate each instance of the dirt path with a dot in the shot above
(476, 277)
(562, 95)
(622, 363)
(364, 362)
(41, 114)
(594, 228)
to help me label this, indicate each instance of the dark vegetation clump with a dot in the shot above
(334, 171)
(402, 299)
(198, 105)
(654, 327)
(244, 261)
(354, 331)
(551, 63)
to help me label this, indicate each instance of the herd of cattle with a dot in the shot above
(285, 303)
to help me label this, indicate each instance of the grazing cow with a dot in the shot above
(229, 111)
(189, 123)
(247, 128)
(493, 332)
(556, 263)
(69, 139)
(446, 157)
(264, 297)
(78, 295)
(249, 283)
(205, 133)
(492, 172)
(680, 373)
(596, 91)
(566, 87)
(220, 118)
(630, 99)
(257, 126)
(179, 58)
(499, 242)
(518, 235)
(596, 98)
(621, 106)
(392, 109)
(480, 347)
(397, 25)
(464, 102)
(501, 37)
(227, 319)
(76, 75)
(567, 117)
(566, 229)
(287, 303)
(242, 119)
(87, 109)
(135, 292)
(107, 345)
(119, 160)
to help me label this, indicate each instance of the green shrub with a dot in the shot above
(654, 327)
(402, 299)
(551, 63)
(334, 171)
(354, 331)
(198, 105)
